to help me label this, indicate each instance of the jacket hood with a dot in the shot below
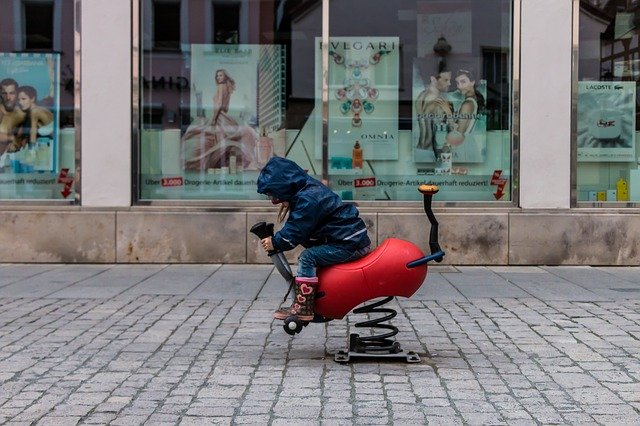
(282, 179)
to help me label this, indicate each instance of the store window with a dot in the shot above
(607, 102)
(419, 91)
(37, 127)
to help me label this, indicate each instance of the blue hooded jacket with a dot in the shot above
(316, 214)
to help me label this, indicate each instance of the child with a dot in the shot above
(330, 230)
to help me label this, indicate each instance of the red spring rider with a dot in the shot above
(395, 268)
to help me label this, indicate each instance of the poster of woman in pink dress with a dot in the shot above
(237, 101)
(222, 136)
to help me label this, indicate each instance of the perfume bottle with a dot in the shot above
(233, 164)
(199, 108)
(454, 137)
(29, 157)
(43, 153)
(239, 162)
(356, 156)
(445, 159)
(264, 149)
(605, 121)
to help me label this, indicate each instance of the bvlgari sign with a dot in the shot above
(363, 97)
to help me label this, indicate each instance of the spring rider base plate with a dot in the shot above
(362, 351)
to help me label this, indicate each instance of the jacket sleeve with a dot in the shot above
(300, 225)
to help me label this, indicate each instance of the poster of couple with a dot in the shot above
(29, 122)
(449, 114)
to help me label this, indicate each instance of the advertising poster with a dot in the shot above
(29, 123)
(237, 104)
(363, 98)
(449, 115)
(606, 120)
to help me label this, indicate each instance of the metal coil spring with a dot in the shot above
(378, 342)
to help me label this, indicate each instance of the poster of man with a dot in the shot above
(29, 108)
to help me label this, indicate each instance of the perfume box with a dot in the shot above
(611, 195)
(593, 196)
(622, 190)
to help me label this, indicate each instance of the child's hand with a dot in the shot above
(267, 244)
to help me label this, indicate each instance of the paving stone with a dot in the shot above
(508, 352)
(443, 420)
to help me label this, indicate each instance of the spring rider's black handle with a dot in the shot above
(263, 230)
(428, 191)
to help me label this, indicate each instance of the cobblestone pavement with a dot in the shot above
(196, 344)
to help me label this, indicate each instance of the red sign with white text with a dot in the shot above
(364, 182)
(172, 181)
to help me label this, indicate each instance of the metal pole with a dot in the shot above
(325, 91)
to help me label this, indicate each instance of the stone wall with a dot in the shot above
(469, 237)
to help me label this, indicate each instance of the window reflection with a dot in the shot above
(382, 124)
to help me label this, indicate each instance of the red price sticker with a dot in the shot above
(364, 183)
(172, 181)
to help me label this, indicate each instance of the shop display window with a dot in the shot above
(418, 91)
(37, 128)
(606, 125)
